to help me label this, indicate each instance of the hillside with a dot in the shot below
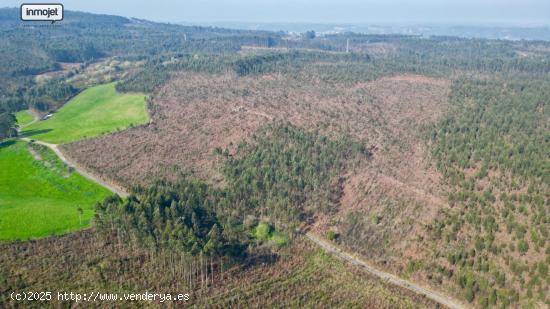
(96, 111)
(84, 38)
(389, 207)
(299, 276)
(426, 157)
(189, 120)
(40, 195)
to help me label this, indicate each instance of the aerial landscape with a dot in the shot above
(149, 162)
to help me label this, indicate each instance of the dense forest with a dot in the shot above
(289, 175)
(180, 217)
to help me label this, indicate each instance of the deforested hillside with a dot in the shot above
(486, 232)
(195, 124)
(190, 119)
(299, 276)
(406, 205)
(426, 157)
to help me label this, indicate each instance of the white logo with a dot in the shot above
(42, 12)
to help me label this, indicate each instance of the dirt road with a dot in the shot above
(392, 279)
(113, 188)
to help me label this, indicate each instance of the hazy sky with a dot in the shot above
(522, 12)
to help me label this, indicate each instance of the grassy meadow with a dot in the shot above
(95, 111)
(41, 195)
(24, 118)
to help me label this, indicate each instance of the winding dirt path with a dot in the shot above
(390, 278)
(54, 147)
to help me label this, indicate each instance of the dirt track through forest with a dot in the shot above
(390, 278)
(387, 277)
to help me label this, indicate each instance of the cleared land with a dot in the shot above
(95, 111)
(331, 248)
(190, 118)
(40, 195)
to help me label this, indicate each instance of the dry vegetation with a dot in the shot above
(451, 190)
(65, 68)
(101, 72)
(386, 203)
(298, 276)
(190, 118)
(304, 277)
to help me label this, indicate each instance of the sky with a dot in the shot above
(466, 12)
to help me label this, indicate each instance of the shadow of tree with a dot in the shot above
(34, 132)
(265, 257)
(7, 143)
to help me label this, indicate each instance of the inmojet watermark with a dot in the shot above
(42, 12)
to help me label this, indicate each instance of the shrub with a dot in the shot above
(469, 295)
(263, 231)
(279, 240)
(523, 247)
(332, 235)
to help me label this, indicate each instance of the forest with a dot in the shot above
(426, 156)
(85, 38)
(280, 179)
(493, 151)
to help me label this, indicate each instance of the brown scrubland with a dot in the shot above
(299, 275)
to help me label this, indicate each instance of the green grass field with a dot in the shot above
(95, 111)
(24, 118)
(40, 196)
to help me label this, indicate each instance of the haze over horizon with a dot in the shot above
(455, 12)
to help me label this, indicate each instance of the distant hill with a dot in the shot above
(464, 31)
(31, 48)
